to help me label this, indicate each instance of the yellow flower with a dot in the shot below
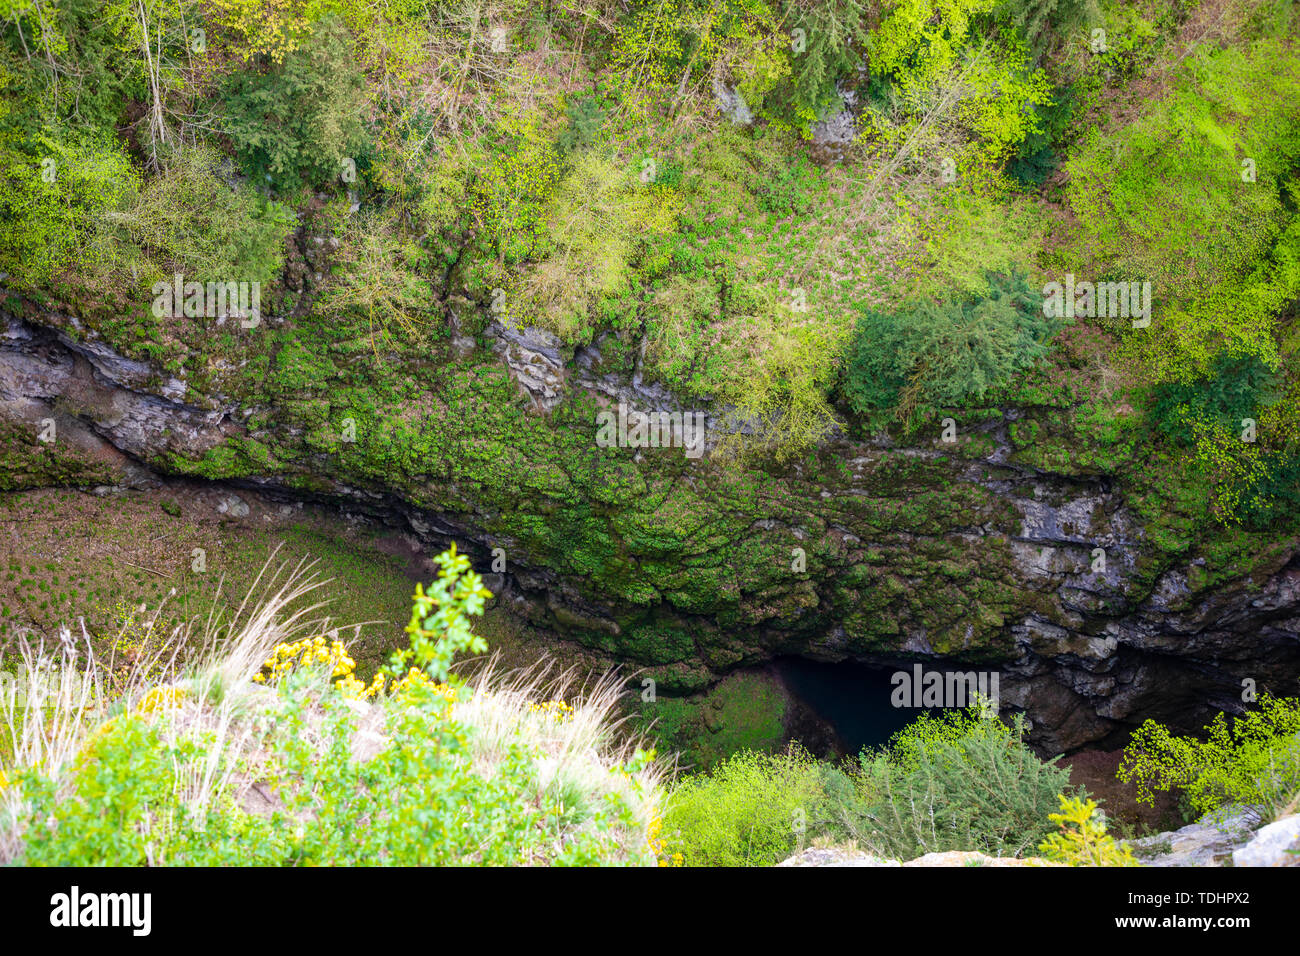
(161, 697)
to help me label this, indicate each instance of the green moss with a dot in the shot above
(743, 711)
(1023, 433)
(27, 462)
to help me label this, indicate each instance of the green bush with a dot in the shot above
(415, 803)
(750, 810)
(1047, 23)
(511, 192)
(1224, 358)
(1040, 153)
(100, 221)
(1082, 839)
(834, 33)
(80, 66)
(954, 85)
(591, 230)
(585, 117)
(970, 238)
(58, 199)
(187, 220)
(429, 770)
(1163, 198)
(1252, 759)
(1273, 502)
(773, 369)
(1236, 388)
(956, 782)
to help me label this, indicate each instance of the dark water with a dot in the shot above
(853, 698)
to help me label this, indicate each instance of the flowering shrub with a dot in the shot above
(419, 767)
(306, 652)
(161, 697)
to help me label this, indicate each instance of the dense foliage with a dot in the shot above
(1252, 759)
(610, 200)
(957, 782)
(810, 218)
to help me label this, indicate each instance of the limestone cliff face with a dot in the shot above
(1068, 563)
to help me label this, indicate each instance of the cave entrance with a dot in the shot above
(850, 700)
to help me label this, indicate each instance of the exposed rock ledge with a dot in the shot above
(1236, 839)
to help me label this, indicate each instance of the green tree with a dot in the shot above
(945, 354)
(298, 122)
(1251, 759)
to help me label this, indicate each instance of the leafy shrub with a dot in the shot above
(1252, 759)
(585, 117)
(1272, 503)
(1163, 198)
(945, 354)
(834, 31)
(97, 220)
(380, 274)
(750, 810)
(671, 43)
(957, 782)
(1040, 153)
(918, 39)
(951, 93)
(51, 226)
(1236, 388)
(271, 31)
(1046, 23)
(1222, 359)
(1131, 44)
(511, 192)
(970, 237)
(757, 357)
(187, 220)
(440, 194)
(591, 230)
(76, 65)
